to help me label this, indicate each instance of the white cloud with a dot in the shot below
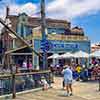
(28, 8)
(3, 4)
(60, 9)
(72, 8)
(56, 8)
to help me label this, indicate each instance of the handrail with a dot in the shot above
(20, 74)
(5, 76)
(61, 37)
(12, 76)
(31, 73)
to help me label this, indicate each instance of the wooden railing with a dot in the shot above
(66, 37)
(12, 77)
(61, 37)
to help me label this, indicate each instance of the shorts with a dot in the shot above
(67, 81)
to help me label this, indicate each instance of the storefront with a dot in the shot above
(60, 47)
(59, 32)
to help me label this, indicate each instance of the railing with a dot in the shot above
(67, 37)
(61, 37)
(13, 83)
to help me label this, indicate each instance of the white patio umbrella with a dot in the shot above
(54, 56)
(95, 54)
(67, 55)
(81, 54)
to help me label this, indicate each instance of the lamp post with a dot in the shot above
(43, 26)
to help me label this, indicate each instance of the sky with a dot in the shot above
(82, 13)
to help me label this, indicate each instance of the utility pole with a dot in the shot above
(43, 26)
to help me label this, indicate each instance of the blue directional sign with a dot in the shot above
(42, 45)
(46, 45)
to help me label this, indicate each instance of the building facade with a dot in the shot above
(95, 47)
(61, 44)
(59, 33)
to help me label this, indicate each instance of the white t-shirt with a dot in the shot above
(44, 81)
(24, 64)
(57, 66)
(67, 74)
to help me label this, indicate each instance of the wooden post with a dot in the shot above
(49, 78)
(99, 82)
(13, 71)
(13, 86)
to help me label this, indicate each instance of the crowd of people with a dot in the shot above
(69, 71)
(76, 72)
(80, 71)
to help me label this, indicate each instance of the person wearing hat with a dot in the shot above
(68, 77)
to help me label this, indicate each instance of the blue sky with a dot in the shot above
(84, 13)
(26, 1)
(91, 26)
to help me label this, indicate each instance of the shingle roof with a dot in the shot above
(77, 30)
(36, 21)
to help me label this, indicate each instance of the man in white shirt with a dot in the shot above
(24, 65)
(68, 78)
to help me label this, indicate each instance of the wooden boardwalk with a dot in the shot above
(82, 91)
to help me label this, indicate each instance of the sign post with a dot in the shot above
(43, 26)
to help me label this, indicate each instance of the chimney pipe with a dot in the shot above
(7, 11)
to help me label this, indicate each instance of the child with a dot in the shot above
(30, 66)
(44, 83)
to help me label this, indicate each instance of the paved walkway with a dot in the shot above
(82, 91)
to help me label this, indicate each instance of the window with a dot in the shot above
(23, 19)
(51, 30)
(28, 30)
(56, 30)
(67, 32)
(60, 31)
(22, 30)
